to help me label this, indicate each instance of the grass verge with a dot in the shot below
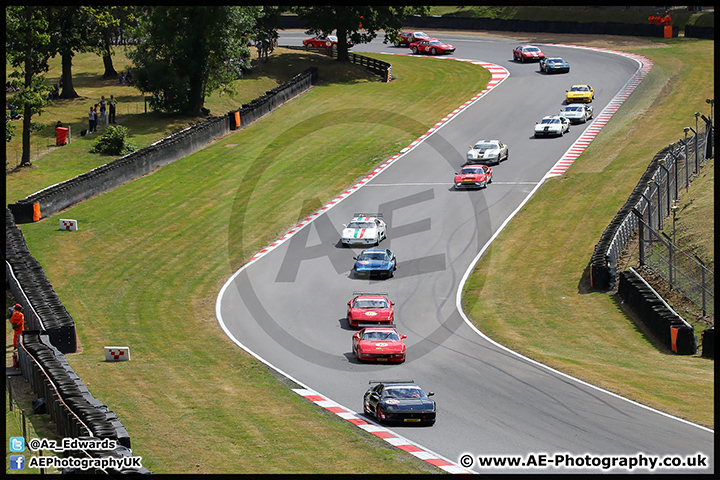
(545, 250)
(150, 257)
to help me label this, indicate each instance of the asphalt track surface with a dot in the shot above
(288, 307)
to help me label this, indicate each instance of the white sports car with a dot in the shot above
(552, 125)
(364, 229)
(577, 112)
(487, 151)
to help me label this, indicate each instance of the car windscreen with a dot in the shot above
(381, 336)
(471, 170)
(361, 225)
(369, 303)
(403, 392)
(484, 146)
(372, 256)
(550, 120)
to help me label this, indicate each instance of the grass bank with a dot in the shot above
(150, 257)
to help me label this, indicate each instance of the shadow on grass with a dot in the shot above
(286, 64)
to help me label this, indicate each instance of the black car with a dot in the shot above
(399, 401)
(554, 65)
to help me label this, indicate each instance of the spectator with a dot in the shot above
(91, 120)
(128, 77)
(123, 79)
(111, 109)
(55, 94)
(103, 108)
(14, 115)
(96, 115)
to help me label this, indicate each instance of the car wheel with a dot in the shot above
(433, 51)
(522, 59)
(380, 415)
(507, 155)
(415, 50)
(490, 179)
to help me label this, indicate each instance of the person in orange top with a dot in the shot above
(18, 322)
(666, 19)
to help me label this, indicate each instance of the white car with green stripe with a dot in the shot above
(364, 229)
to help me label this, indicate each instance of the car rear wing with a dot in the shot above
(392, 381)
(355, 294)
(361, 214)
(375, 325)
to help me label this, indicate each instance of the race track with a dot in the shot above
(288, 307)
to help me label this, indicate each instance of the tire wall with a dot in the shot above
(75, 412)
(49, 329)
(587, 28)
(666, 325)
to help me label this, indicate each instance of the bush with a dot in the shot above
(114, 142)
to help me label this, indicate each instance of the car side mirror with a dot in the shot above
(392, 304)
(430, 394)
(354, 258)
(349, 304)
(403, 336)
(345, 225)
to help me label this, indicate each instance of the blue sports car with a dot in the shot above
(375, 261)
(554, 65)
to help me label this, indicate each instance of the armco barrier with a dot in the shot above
(603, 263)
(134, 165)
(664, 323)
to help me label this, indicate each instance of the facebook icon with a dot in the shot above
(17, 462)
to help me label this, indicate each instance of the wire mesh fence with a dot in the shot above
(685, 272)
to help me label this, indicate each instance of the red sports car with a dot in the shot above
(473, 176)
(527, 53)
(379, 344)
(325, 41)
(366, 307)
(433, 47)
(406, 38)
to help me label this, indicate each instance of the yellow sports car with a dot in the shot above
(580, 93)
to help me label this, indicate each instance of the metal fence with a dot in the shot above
(657, 202)
(685, 272)
(653, 199)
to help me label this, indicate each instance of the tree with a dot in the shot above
(107, 23)
(72, 28)
(357, 23)
(185, 53)
(28, 51)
